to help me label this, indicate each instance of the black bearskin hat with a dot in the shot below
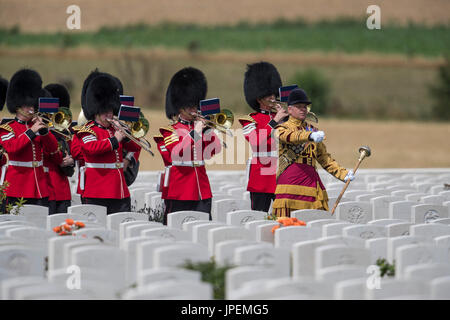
(260, 80)
(186, 88)
(94, 74)
(102, 95)
(24, 89)
(59, 91)
(3, 89)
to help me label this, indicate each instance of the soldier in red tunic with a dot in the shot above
(189, 143)
(101, 145)
(26, 139)
(58, 172)
(261, 84)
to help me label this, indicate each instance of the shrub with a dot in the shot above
(317, 88)
(440, 93)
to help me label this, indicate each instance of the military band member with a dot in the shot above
(189, 143)
(101, 145)
(300, 147)
(26, 139)
(58, 172)
(261, 84)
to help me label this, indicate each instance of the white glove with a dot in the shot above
(349, 176)
(317, 136)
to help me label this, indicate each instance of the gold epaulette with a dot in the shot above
(87, 128)
(166, 129)
(173, 137)
(77, 128)
(7, 127)
(247, 118)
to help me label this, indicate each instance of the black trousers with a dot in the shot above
(36, 201)
(261, 201)
(58, 206)
(112, 205)
(188, 205)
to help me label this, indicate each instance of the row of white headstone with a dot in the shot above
(126, 256)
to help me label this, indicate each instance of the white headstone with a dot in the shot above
(378, 248)
(398, 229)
(430, 230)
(285, 237)
(365, 232)
(22, 260)
(401, 210)
(354, 212)
(166, 233)
(333, 255)
(177, 255)
(224, 252)
(217, 235)
(200, 231)
(220, 208)
(167, 274)
(91, 213)
(35, 214)
(177, 219)
(426, 213)
(307, 215)
(115, 219)
(272, 258)
(440, 288)
(240, 217)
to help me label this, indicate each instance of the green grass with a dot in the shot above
(342, 35)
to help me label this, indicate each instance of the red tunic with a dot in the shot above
(189, 182)
(257, 130)
(104, 162)
(25, 150)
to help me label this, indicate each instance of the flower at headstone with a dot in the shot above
(68, 227)
(287, 222)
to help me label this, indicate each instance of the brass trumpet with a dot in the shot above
(127, 131)
(139, 128)
(221, 121)
(59, 118)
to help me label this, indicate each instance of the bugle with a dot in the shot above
(126, 130)
(48, 122)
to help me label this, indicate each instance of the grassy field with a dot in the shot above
(50, 15)
(342, 35)
(368, 89)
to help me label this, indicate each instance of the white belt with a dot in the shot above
(27, 164)
(265, 154)
(188, 163)
(81, 177)
(166, 175)
(115, 165)
(2, 178)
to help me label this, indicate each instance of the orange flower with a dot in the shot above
(69, 222)
(80, 224)
(275, 228)
(287, 222)
(67, 227)
(294, 219)
(57, 229)
(62, 233)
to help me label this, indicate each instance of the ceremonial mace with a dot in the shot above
(364, 151)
